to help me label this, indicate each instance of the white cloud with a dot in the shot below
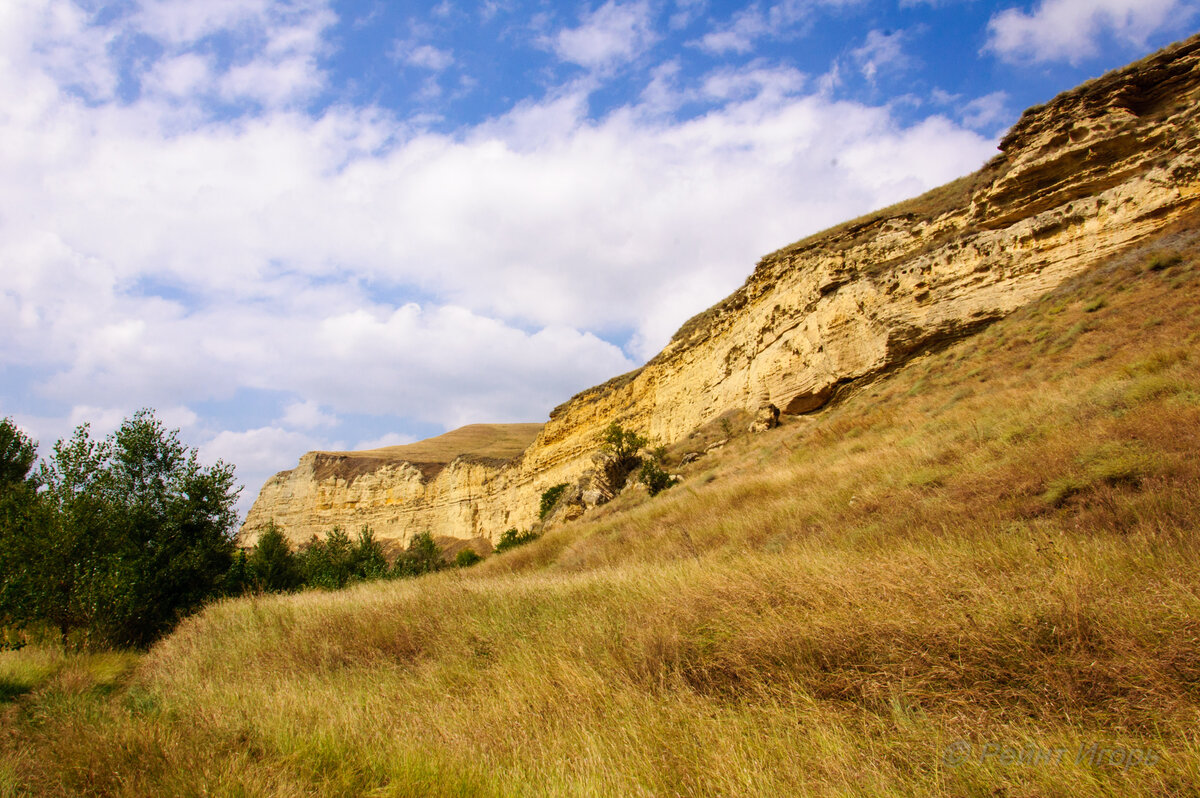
(786, 19)
(424, 55)
(880, 51)
(739, 35)
(390, 439)
(307, 415)
(180, 76)
(986, 111)
(1072, 30)
(167, 262)
(612, 34)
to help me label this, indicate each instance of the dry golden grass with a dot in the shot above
(497, 441)
(993, 547)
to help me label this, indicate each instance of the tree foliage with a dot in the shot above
(422, 556)
(335, 561)
(622, 444)
(272, 566)
(127, 535)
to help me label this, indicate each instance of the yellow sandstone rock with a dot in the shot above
(1090, 173)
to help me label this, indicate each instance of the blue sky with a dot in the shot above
(324, 225)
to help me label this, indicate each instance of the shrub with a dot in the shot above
(512, 538)
(549, 499)
(655, 478)
(366, 556)
(1165, 260)
(466, 558)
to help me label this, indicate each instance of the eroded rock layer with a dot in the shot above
(1092, 172)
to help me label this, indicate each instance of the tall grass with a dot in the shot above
(979, 560)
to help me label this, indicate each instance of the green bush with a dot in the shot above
(549, 499)
(655, 478)
(466, 558)
(512, 538)
(366, 557)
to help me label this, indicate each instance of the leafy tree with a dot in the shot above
(422, 556)
(176, 521)
(237, 579)
(272, 566)
(622, 444)
(17, 455)
(20, 513)
(328, 563)
(129, 534)
(366, 557)
(549, 499)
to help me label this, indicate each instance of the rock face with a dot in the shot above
(1092, 172)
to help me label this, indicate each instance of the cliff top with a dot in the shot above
(494, 441)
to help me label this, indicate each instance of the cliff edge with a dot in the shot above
(1092, 172)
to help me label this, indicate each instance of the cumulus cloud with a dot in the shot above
(610, 35)
(1072, 30)
(758, 21)
(986, 111)
(425, 56)
(307, 415)
(738, 35)
(880, 51)
(170, 258)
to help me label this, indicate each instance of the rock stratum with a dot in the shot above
(1092, 172)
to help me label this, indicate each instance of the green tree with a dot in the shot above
(622, 444)
(20, 514)
(175, 526)
(328, 563)
(128, 535)
(366, 556)
(17, 455)
(272, 565)
(422, 556)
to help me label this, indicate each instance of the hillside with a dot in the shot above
(969, 567)
(1094, 171)
(953, 572)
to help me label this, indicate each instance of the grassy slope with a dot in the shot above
(995, 544)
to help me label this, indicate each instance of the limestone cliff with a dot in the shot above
(1092, 172)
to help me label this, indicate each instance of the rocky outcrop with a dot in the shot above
(1090, 173)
